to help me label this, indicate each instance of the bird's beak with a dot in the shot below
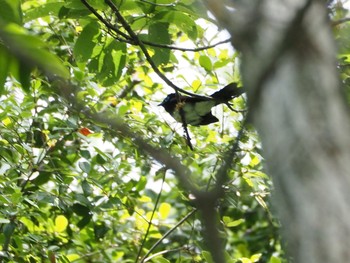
(160, 104)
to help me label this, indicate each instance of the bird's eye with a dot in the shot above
(168, 98)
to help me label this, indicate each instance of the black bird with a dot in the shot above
(197, 110)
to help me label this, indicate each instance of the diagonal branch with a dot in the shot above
(150, 223)
(192, 212)
(144, 50)
(186, 49)
(107, 24)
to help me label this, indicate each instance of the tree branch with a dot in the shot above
(107, 24)
(192, 212)
(187, 49)
(144, 50)
(340, 21)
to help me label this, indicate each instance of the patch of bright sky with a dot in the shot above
(184, 75)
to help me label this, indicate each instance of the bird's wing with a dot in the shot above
(197, 113)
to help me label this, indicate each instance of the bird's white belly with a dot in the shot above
(194, 112)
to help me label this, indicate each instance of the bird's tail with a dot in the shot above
(227, 93)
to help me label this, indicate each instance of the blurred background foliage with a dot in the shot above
(72, 189)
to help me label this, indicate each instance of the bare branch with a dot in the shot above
(192, 212)
(150, 220)
(187, 49)
(140, 43)
(340, 21)
(107, 24)
(156, 4)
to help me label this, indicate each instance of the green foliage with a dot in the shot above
(73, 189)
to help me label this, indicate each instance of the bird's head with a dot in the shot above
(171, 98)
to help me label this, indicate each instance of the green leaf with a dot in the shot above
(47, 9)
(84, 221)
(81, 210)
(255, 257)
(205, 63)
(119, 59)
(86, 42)
(31, 50)
(98, 4)
(207, 256)
(158, 33)
(221, 63)
(77, 10)
(9, 229)
(85, 166)
(74, 4)
(235, 223)
(100, 159)
(164, 210)
(245, 260)
(24, 76)
(100, 230)
(87, 189)
(111, 63)
(10, 11)
(182, 21)
(5, 60)
(61, 223)
(274, 259)
(160, 259)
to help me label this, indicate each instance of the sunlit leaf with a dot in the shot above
(235, 223)
(207, 257)
(61, 223)
(255, 257)
(274, 259)
(164, 210)
(43, 10)
(205, 62)
(245, 260)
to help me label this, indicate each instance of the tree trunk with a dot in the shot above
(289, 70)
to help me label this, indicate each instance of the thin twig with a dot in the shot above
(156, 4)
(340, 21)
(100, 18)
(222, 174)
(186, 49)
(127, 38)
(168, 233)
(164, 252)
(150, 220)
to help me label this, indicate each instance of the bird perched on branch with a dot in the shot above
(196, 111)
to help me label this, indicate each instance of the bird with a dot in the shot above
(196, 110)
